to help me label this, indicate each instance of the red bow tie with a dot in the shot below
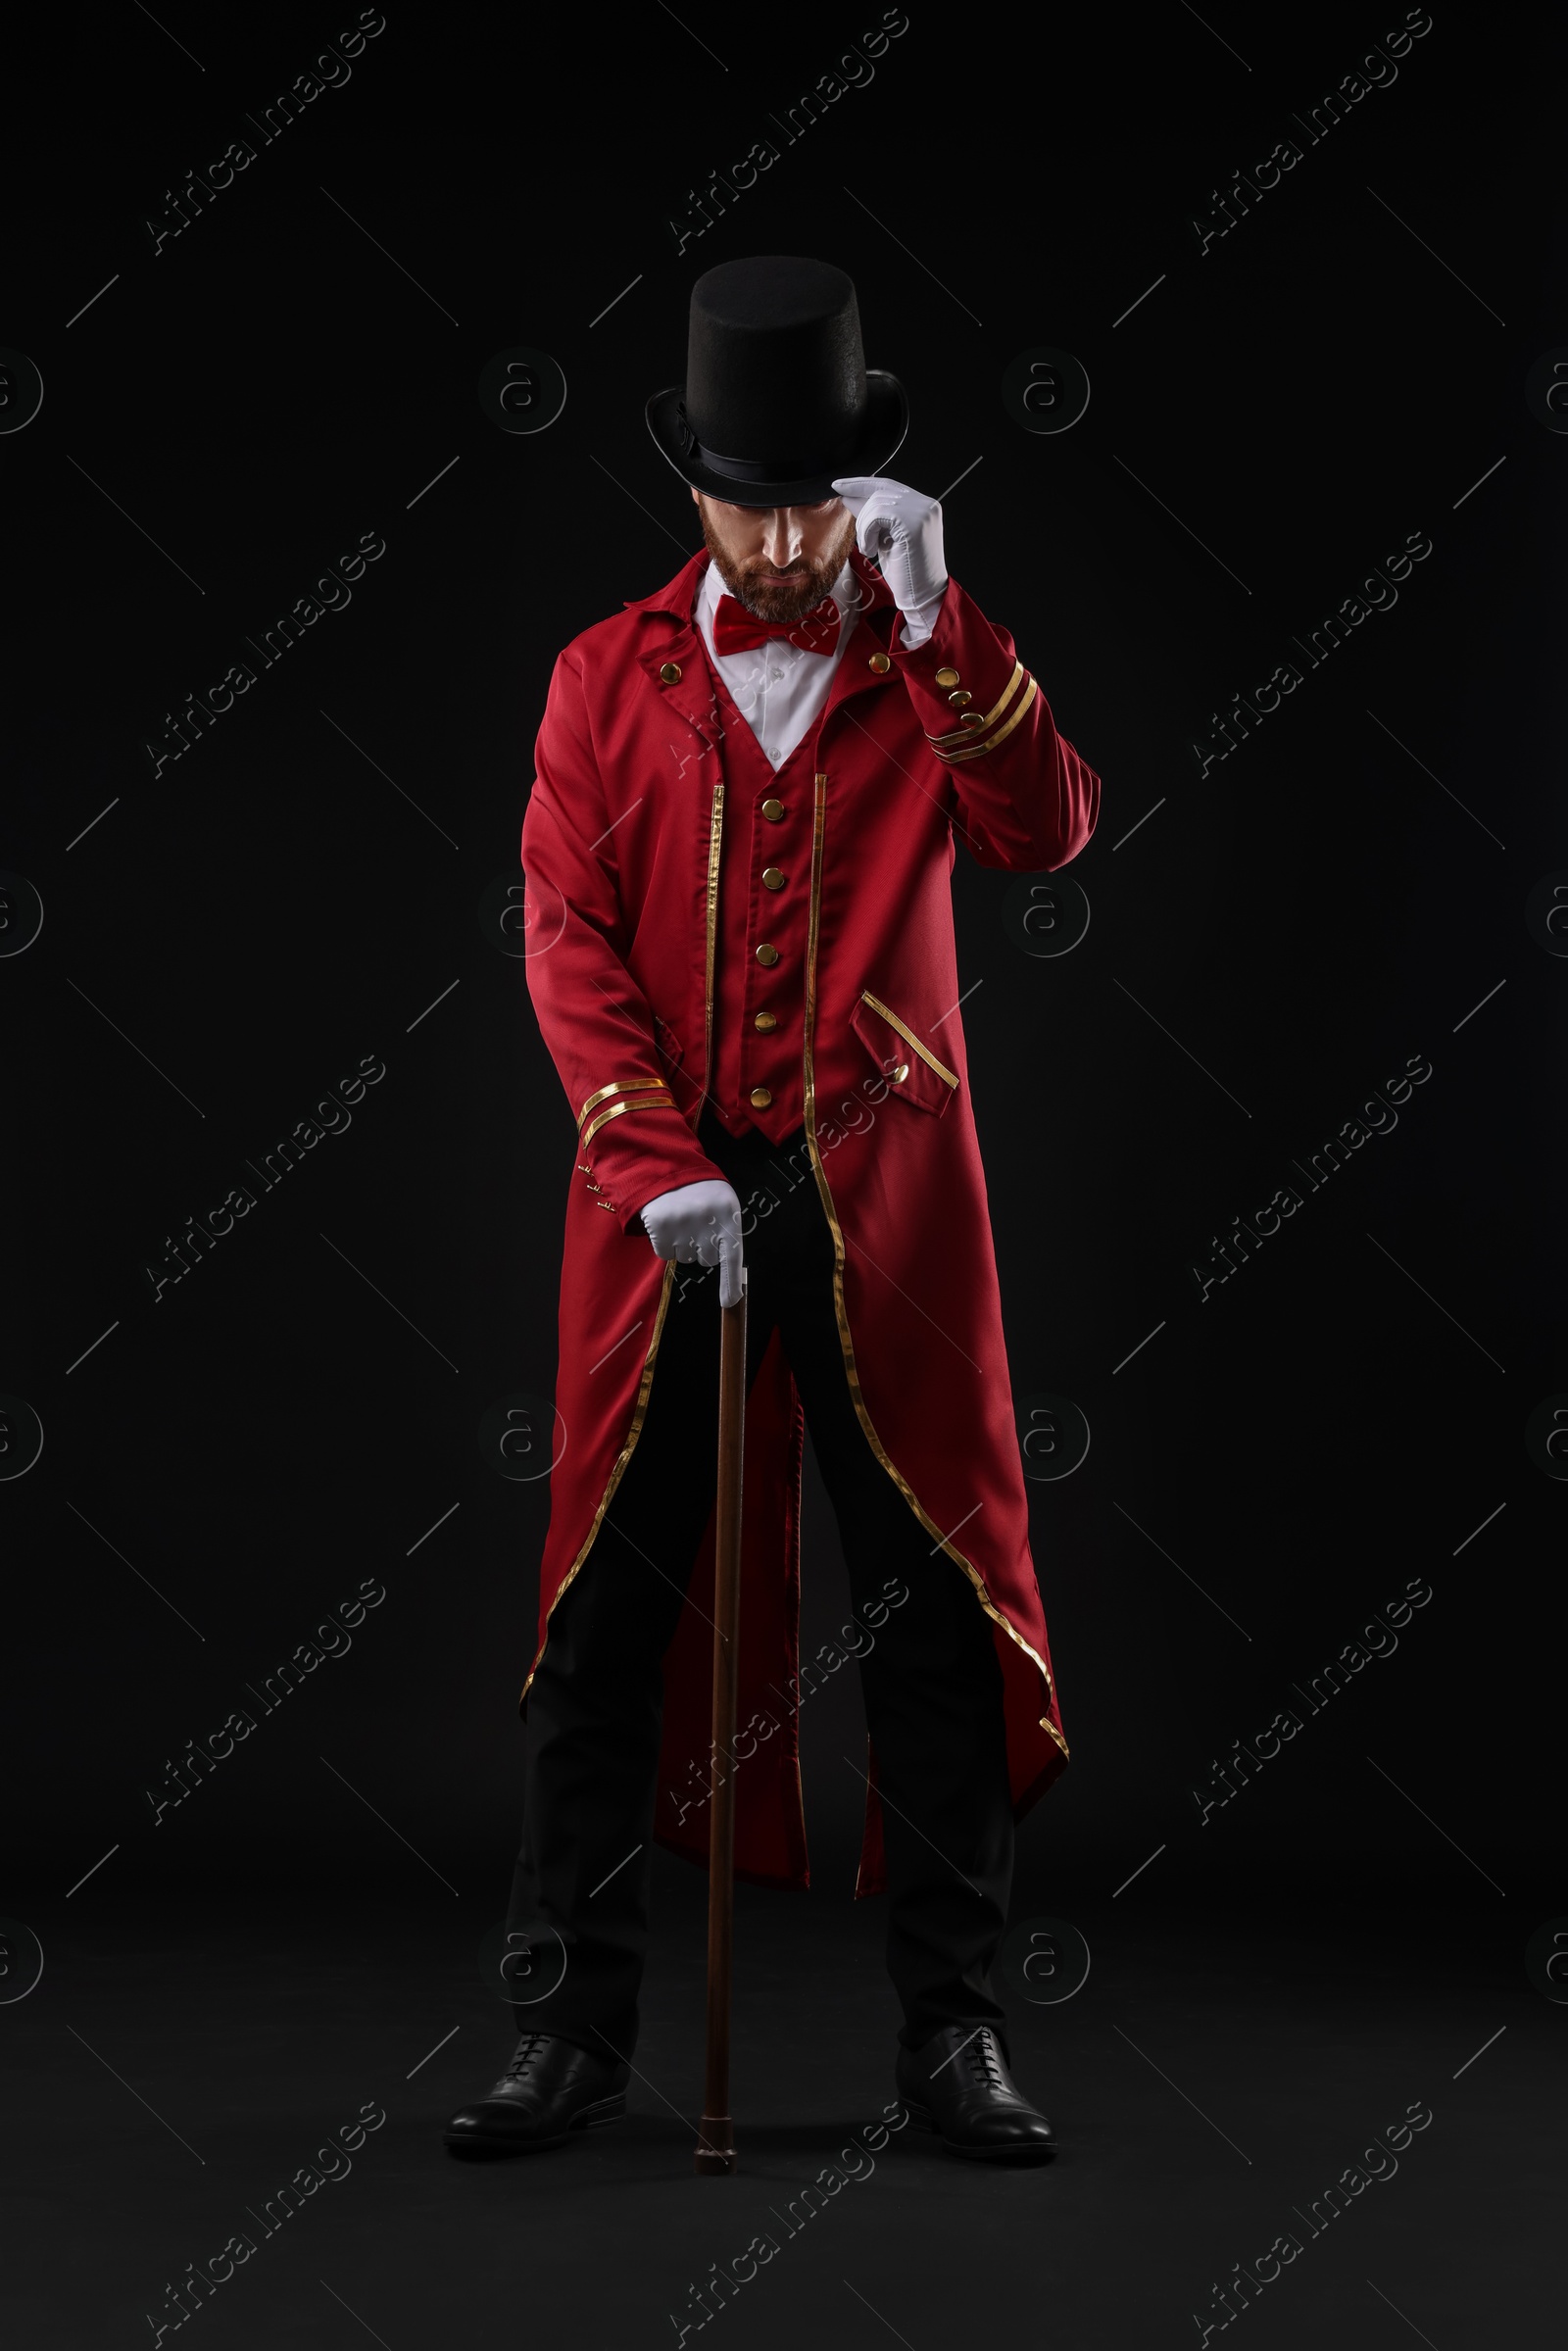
(736, 630)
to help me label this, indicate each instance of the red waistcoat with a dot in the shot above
(763, 923)
(649, 860)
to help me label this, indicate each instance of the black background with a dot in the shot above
(1266, 948)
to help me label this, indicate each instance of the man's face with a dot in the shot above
(778, 561)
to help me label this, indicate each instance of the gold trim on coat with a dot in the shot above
(645, 1385)
(910, 1038)
(665, 1102)
(846, 1342)
(967, 734)
(979, 750)
(619, 1086)
(629, 1448)
(715, 836)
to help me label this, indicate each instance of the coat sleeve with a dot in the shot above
(1025, 799)
(598, 1026)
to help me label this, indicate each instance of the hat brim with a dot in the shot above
(880, 438)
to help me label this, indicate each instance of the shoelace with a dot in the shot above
(984, 2060)
(522, 2057)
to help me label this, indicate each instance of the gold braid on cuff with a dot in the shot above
(661, 1101)
(978, 751)
(966, 734)
(619, 1086)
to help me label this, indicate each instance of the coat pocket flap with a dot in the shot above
(913, 1072)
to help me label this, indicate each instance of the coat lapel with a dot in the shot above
(872, 631)
(673, 644)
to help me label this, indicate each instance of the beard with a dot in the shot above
(758, 586)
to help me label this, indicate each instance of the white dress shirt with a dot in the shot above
(778, 688)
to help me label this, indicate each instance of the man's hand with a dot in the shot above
(700, 1224)
(902, 529)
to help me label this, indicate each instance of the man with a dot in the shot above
(742, 960)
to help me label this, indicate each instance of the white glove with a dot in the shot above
(902, 530)
(700, 1224)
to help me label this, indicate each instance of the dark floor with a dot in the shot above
(1214, 2076)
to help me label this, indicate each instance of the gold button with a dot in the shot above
(760, 1097)
(947, 677)
(972, 719)
(901, 1073)
(670, 673)
(880, 664)
(961, 699)
(773, 811)
(768, 954)
(772, 878)
(766, 1022)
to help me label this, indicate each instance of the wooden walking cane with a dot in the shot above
(715, 2145)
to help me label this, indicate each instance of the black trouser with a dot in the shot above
(931, 1682)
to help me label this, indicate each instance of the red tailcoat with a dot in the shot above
(645, 840)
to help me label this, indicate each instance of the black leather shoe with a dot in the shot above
(959, 2086)
(550, 2088)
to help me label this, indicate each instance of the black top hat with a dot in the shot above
(778, 399)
